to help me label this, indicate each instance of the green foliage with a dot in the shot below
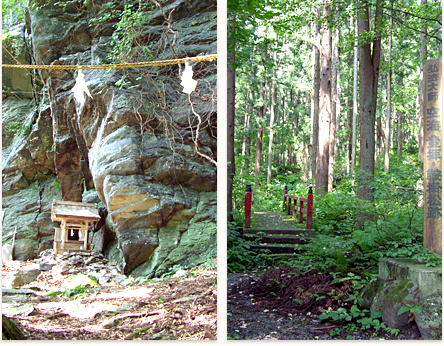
(19, 127)
(414, 309)
(356, 320)
(128, 31)
(75, 286)
(239, 254)
(57, 184)
(12, 12)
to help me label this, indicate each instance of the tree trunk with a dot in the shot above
(335, 105)
(272, 105)
(270, 137)
(259, 134)
(315, 108)
(306, 157)
(349, 129)
(400, 121)
(246, 143)
(422, 57)
(355, 99)
(324, 106)
(379, 139)
(230, 123)
(368, 88)
(389, 102)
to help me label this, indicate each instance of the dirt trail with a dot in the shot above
(182, 307)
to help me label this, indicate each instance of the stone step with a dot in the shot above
(277, 239)
(307, 232)
(278, 248)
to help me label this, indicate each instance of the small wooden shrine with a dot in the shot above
(75, 219)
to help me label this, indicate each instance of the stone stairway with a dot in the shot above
(271, 231)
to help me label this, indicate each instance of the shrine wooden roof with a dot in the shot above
(63, 210)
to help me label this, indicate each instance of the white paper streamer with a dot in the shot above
(188, 83)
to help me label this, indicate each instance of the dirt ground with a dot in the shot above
(175, 308)
(253, 315)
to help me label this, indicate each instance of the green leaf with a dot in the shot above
(416, 309)
(403, 310)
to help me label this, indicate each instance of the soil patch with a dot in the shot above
(284, 304)
(181, 307)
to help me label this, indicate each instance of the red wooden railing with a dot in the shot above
(248, 198)
(305, 206)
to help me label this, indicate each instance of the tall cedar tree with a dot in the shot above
(324, 104)
(369, 58)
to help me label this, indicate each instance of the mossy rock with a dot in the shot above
(368, 294)
(391, 296)
(429, 319)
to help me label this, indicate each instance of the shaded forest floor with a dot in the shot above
(256, 312)
(181, 307)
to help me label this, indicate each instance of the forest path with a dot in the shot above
(263, 220)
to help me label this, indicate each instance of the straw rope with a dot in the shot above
(116, 66)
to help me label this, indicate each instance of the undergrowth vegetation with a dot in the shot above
(351, 235)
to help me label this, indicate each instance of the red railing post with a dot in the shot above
(289, 206)
(301, 214)
(248, 198)
(294, 209)
(310, 208)
(285, 197)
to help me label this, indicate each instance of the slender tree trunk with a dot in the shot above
(315, 108)
(324, 106)
(389, 102)
(270, 137)
(400, 121)
(230, 122)
(379, 139)
(261, 115)
(349, 129)
(355, 98)
(422, 57)
(278, 150)
(368, 88)
(246, 141)
(248, 129)
(334, 106)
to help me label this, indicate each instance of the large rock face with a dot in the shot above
(145, 147)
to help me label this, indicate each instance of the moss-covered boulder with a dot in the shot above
(429, 319)
(392, 296)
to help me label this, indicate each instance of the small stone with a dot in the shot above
(91, 260)
(45, 266)
(21, 278)
(23, 310)
(180, 273)
(103, 279)
(119, 278)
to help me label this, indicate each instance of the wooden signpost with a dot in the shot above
(433, 155)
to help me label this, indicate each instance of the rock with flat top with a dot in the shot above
(20, 278)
